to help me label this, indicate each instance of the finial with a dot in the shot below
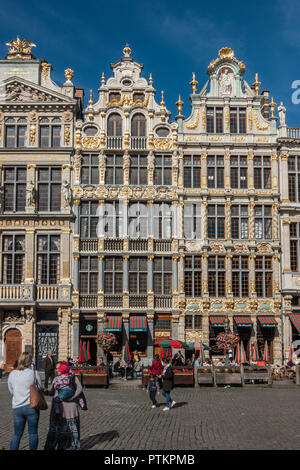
(256, 84)
(127, 50)
(272, 106)
(69, 74)
(91, 99)
(150, 79)
(103, 78)
(179, 105)
(162, 103)
(194, 83)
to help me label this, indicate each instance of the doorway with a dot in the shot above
(13, 348)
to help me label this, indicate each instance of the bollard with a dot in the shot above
(196, 384)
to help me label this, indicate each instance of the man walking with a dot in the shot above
(49, 366)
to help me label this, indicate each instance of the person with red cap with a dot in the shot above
(64, 384)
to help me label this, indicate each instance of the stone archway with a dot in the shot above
(13, 347)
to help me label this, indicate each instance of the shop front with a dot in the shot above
(88, 335)
(266, 331)
(114, 325)
(295, 324)
(162, 332)
(138, 334)
(243, 328)
(217, 325)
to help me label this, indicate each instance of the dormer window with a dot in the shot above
(162, 132)
(15, 132)
(114, 97)
(138, 96)
(114, 125)
(214, 120)
(90, 131)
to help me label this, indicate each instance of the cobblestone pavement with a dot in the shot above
(223, 418)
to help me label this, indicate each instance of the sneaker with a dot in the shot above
(166, 408)
(173, 404)
(153, 406)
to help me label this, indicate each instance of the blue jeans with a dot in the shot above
(21, 415)
(167, 395)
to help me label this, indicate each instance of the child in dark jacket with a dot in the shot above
(153, 387)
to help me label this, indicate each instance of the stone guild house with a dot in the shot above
(115, 218)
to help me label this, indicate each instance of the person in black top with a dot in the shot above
(167, 383)
(49, 366)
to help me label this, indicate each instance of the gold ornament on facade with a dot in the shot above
(19, 49)
(256, 84)
(272, 107)
(253, 304)
(277, 304)
(194, 83)
(78, 138)
(250, 119)
(45, 70)
(67, 116)
(229, 304)
(67, 134)
(32, 133)
(226, 53)
(32, 116)
(226, 118)
(90, 143)
(69, 74)
(205, 304)
(179, 103)
(196, 122)
(259, 126)
(162, 144)
(284, 156)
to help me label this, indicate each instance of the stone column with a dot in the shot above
(150, 335)
(204, 170)
(275, 220)
(285, 246)
(227, 171)
(175, 273)
(180, 170)
(100, 274)
(125, 274)
(229, 275)
(228, 220)
(29, 328)
(101, 318)
(274, 172)
(252, 258)
(205, 327)
(125, 319)
(150, 218)
(175, 321)
(287, 332)
(181, 273)
(100, 226)
(204, 218)
(205, 274)
(76, 212)
(175, 225)
(75, 335)
(150, 274)
(251, 220)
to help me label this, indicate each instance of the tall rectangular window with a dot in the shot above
(138, 273)
(89, 169)
(113, 219)
(162, 275)
(263, 222)
(294, 178)
(15, 132)
(14, 189)
(192, 221)
(216, 221)
(214, 120)
(294, 245)
(192, 171)
(238, 120)
(238, 172)
(216, 276)
(88, 274)
(192, 276)
(13, 258)
(163, 170)
(215, 171)
(262, 172)
(138, 220)
(49, 189)
(240, 276)
(114, 169)
(263, 276)
(113, 275)
(138, 169)
(239, 221)
(162, 220)
(48, 259)
(88, 219)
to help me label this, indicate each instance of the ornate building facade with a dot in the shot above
(114, 218)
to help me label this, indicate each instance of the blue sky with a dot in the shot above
(171, 38)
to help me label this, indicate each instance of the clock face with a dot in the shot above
(89, 327)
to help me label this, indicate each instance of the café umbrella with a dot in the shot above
(255, 355)
(127, 355)
(201, 357)
(196, 346)
(240, 355)
(266, 352)
(166, 352)
(171, 343)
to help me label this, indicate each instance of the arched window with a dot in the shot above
(138, 125)
(114, 125)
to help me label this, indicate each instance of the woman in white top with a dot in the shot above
(19, 381)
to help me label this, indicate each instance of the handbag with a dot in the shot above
(37, 399)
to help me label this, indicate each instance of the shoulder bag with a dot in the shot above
(37, 399)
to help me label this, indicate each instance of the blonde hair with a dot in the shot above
(24, 361)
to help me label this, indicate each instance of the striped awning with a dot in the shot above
(138, 323)
(267, 320)
(295, 319)
(114, 323)
(243, 321)
(217, 320)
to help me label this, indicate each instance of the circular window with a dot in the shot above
(162, 132)
(90, 130)
(127, 83)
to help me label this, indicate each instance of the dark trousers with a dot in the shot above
(22, 415)
(49, 374)
(167, 395)
(152, 397)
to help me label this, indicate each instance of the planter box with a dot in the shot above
(257, 373)
(95, 379)
(228, 378)
(183, 379)
(205, 376)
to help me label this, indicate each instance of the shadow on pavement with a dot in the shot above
(91, 441)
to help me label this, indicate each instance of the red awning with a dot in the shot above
(295, 319)
(138, 323)
(217, 320)
(267, 320)
(114, 323)
(243, 320)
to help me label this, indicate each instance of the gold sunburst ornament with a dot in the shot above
(226, 53)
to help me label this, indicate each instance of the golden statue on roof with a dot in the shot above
(20, 49)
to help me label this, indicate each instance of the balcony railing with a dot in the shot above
(162, 245)
(113, 245)
(113, 301)
(138, 245)
(138, 301)
(47, 293)
(88, 301)
(88, 245)
(163, 301)
(114, 142)
(138, 143)
(293, 132)
(13, 292)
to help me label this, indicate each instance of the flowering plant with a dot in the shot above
(106, 340)
(146, 371)
(226, 341)
(183, 371)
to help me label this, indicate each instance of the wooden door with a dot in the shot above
(13, 347)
